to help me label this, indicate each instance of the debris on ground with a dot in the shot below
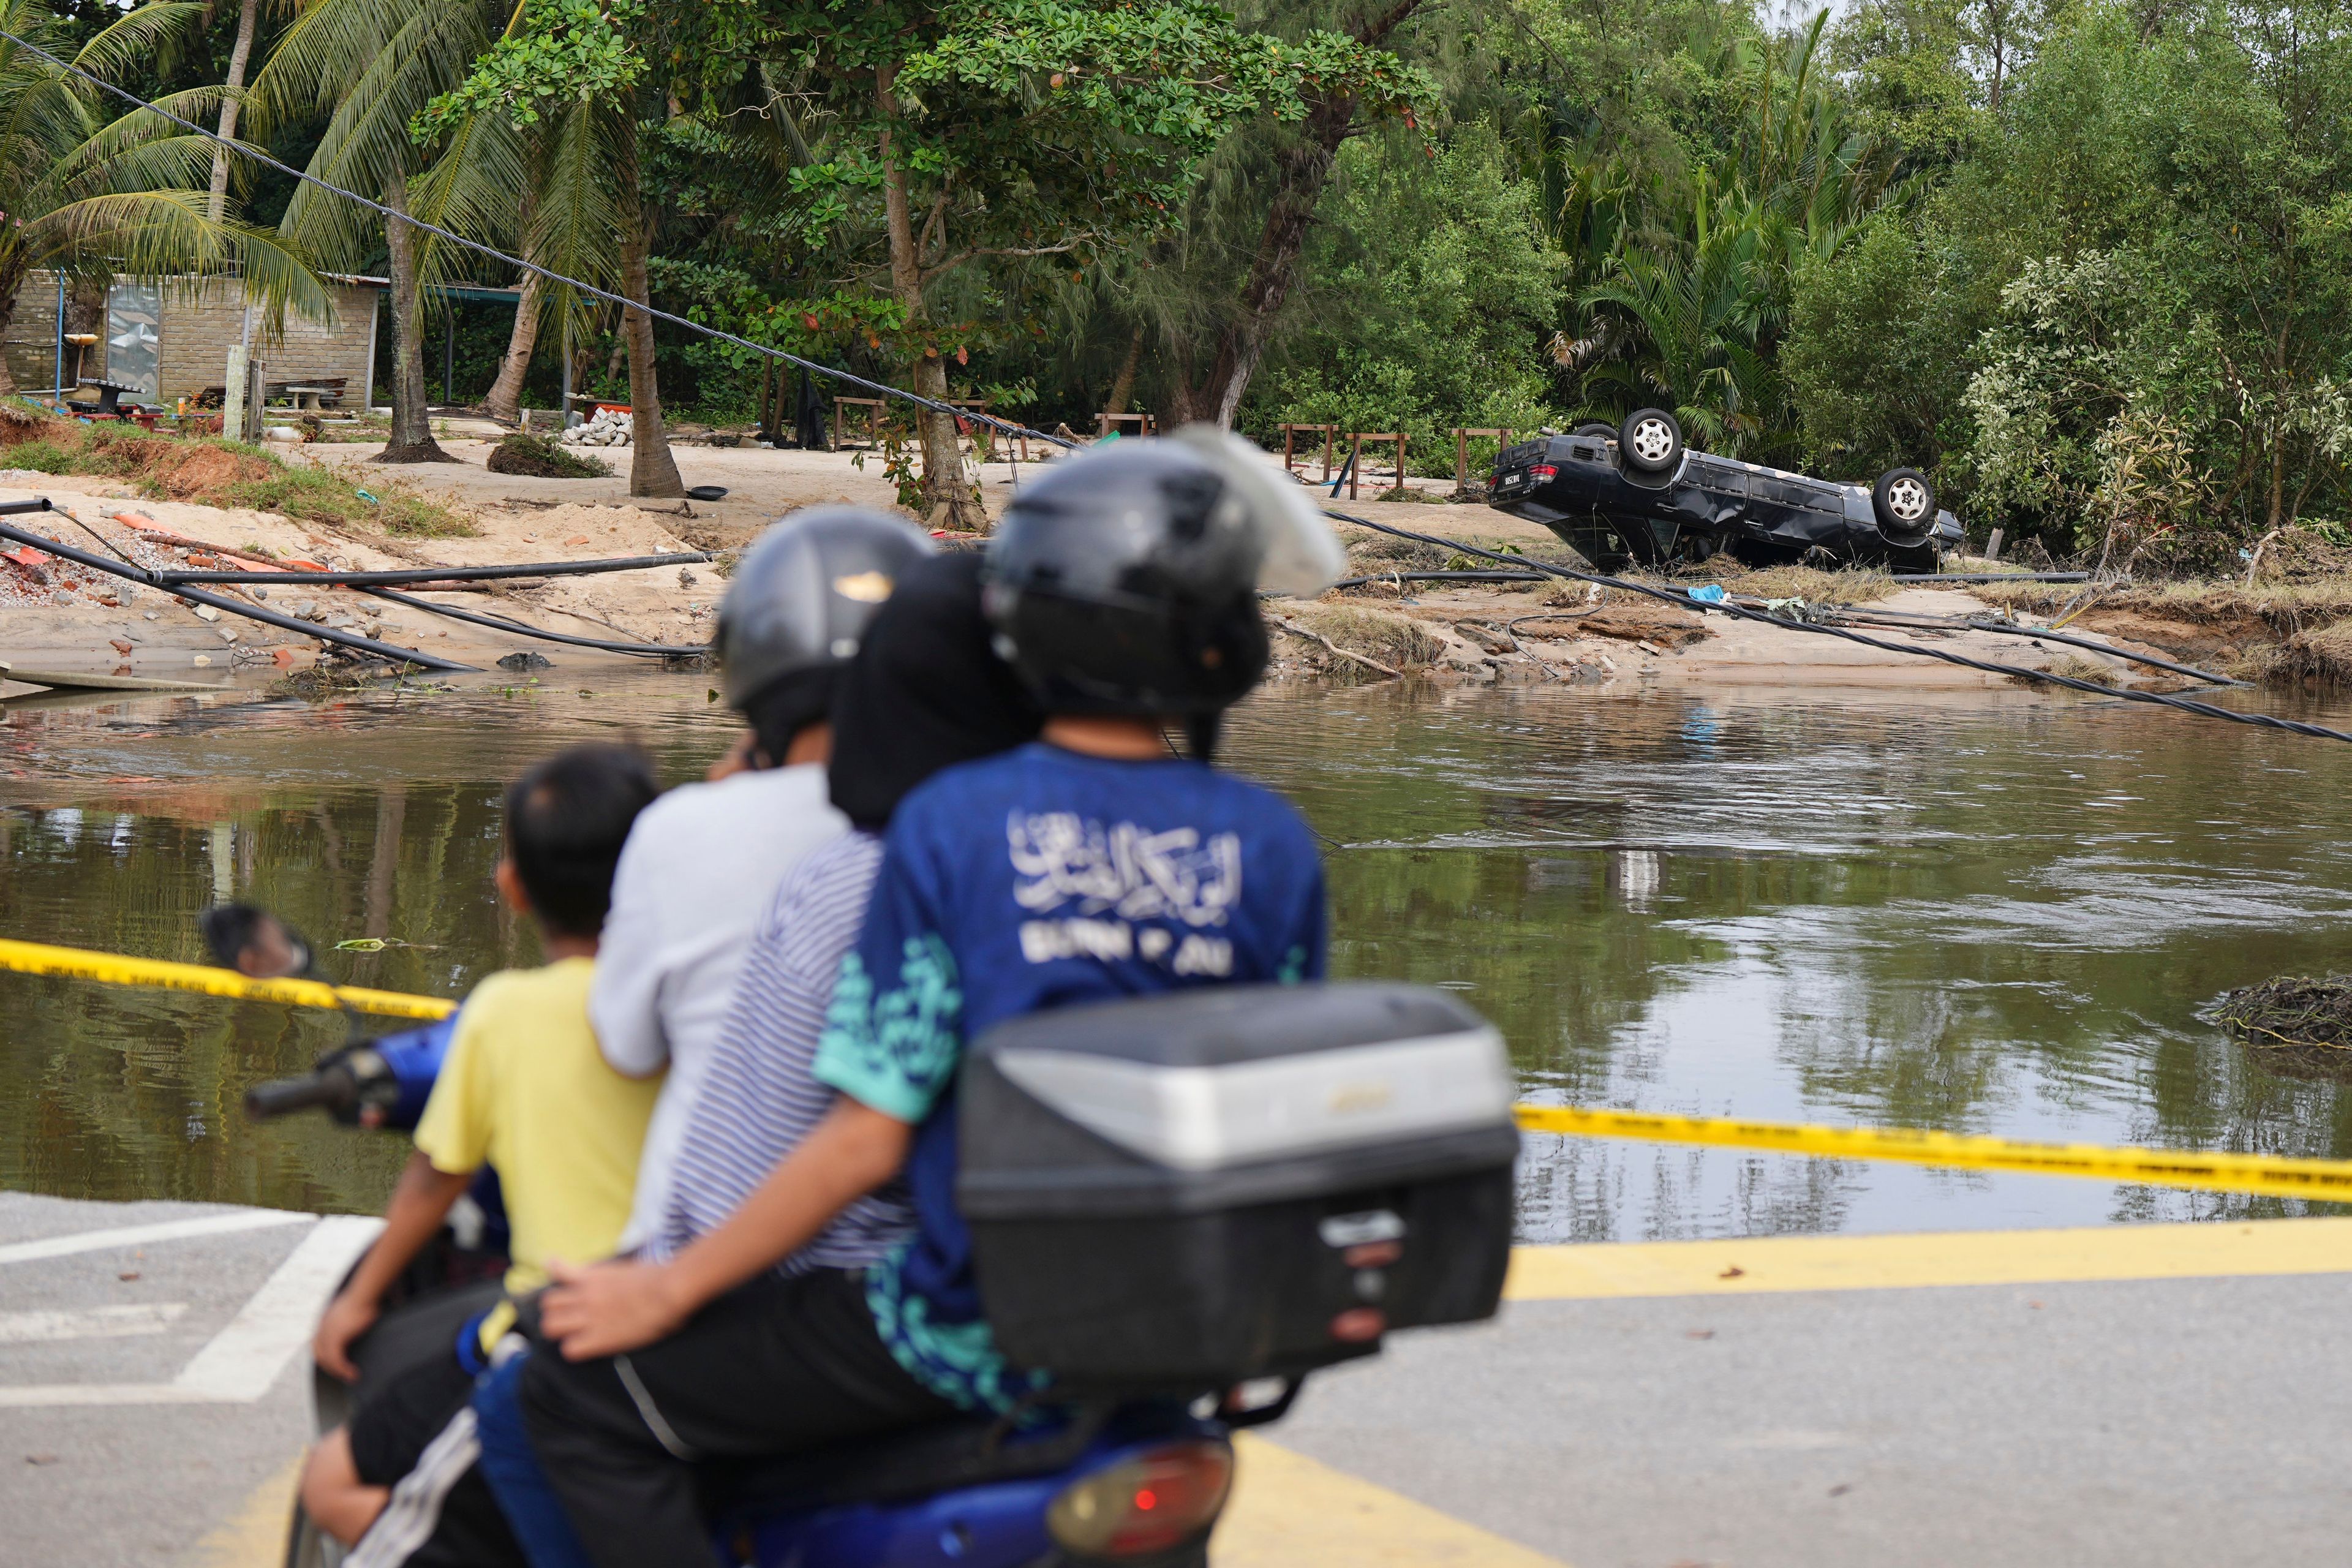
(606, 427)
(2297, 555)
(2296, 1025)
(540, 457)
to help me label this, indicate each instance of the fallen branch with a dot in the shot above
(1353, 658)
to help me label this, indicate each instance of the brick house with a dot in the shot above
(171, 343)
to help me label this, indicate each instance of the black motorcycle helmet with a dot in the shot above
(1125, 580)
(800, 601)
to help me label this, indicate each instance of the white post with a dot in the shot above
(375, 314)
(232, 395)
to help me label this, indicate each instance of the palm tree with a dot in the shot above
(1690, 268)
(97, 198)
(369, 68)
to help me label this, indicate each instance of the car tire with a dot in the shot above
(1651, 441)
(1905, 504)
(1591, 428)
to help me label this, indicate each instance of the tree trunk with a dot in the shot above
(238, 54)
(651, 470)
(505, 399)
(1122, 385)
(412, 424)
(1301, 172)
(947, 499)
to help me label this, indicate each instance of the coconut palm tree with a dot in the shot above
(546, 192)
(369, 68)
(97, 197)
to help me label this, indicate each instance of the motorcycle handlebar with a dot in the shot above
(331, 1090)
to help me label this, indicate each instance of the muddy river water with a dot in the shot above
(1983, 913)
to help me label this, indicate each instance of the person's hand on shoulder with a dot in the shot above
(609, 1308)
(349, 1315)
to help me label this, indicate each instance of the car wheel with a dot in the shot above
(1592, 428)
(1905, 503)
(1650, 439)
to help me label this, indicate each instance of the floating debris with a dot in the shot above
(2296, 1024)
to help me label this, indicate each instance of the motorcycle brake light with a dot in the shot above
(1543, 471)
(1159, 1500)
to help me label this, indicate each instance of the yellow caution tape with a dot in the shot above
(2270, 1176)
(120, 969)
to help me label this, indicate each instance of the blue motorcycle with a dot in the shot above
(1266, 1182)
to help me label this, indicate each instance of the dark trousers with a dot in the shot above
(779, 1366)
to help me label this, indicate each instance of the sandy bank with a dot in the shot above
(78, 620)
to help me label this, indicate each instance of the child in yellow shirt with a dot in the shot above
(524, 1090)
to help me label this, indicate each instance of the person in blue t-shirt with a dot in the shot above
(1090, 866)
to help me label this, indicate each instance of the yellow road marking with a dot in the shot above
(254, 1536)
(1783, 1263)
(1290, 1512)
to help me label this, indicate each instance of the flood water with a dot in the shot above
(1987, 913)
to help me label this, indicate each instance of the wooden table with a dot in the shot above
(1355, 441)
(1104, 422)
(1330, 434)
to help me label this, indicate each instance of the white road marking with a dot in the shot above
(138, 1235)
(88, 1323)
(244, 1358)
(240, 1363)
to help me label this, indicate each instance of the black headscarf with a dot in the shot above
(924, 692)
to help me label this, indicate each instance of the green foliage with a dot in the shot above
(1879, 348)
(1433, 284)
(2123, 321)
(100, 198)
(1687, 246)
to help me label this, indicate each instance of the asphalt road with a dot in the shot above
(2132, 1395)
(146, 1374)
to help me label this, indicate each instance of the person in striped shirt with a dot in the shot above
(923, 692)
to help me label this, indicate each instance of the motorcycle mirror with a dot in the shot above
(254, 943)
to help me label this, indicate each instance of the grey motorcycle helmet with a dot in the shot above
(1125, 581)
(801, 596)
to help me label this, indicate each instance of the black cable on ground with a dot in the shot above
(893, 393)
(412, 574)
(1868, 616)
(250, 612)
(500, 623)
(1683, 602)
(1439, 577)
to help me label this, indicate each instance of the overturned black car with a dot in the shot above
(1635, 493)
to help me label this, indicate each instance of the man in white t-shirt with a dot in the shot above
(703, 862)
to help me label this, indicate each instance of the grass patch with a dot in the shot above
(1396, 640)
(209, 471)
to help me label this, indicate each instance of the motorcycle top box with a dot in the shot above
(1189, 1191)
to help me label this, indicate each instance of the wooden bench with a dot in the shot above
(1355, 440)
(874, 407)
(1104, 422)
(1462, 434)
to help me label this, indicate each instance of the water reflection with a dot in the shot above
(1983, 914)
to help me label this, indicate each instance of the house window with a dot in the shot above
(134, 340)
